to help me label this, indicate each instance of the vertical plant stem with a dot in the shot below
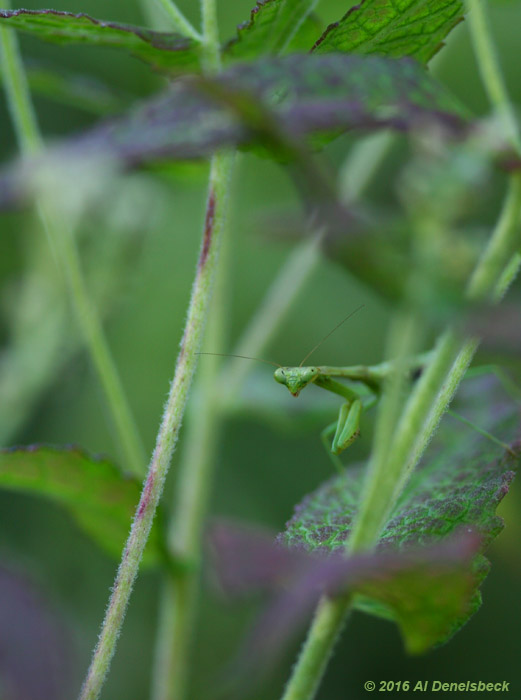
(63, 245)
(433, 393)
(177, 18)
(220, 171)
(490, 71)
(178, 601)
(271, 313)
(178, 604)
(169, 429)
(330, 618)
(19, 101)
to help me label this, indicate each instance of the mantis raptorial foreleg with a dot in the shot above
(346, 428)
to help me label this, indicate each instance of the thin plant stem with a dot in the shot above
(270, 315)
(328, 622)
(170, 425)
(431, 396)
(177, 18)
(500, 253)
(490, 70)
(64, 247)
(178, 603)
(177, 606)
(210, 27)
(17, 91)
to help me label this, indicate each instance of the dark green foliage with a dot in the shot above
(99, 497)
(393, 28)
(276, 26)
(161, 50)
(444, 495)
(456, 489)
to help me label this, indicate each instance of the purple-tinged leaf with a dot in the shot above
(97, 495)
(275, 27)
(274, 102)
(426, 591)
(35, 652)
(164, 51)
(305, 94)
(413, 28)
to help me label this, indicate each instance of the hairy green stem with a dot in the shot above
(178, 602)
(169, 429)
(178, 605)
(330, 618)
(63, 245)
(432, 394)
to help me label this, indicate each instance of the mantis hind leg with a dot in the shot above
(325, 435)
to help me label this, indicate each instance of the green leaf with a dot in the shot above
(457, 487)
(430, 599)
(165, 51)
(274, 27)
(395, 28)
(96, 494)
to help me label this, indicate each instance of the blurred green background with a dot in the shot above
(261, 472)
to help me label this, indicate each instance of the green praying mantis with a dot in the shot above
(346, 428)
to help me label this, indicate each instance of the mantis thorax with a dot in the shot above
(296, 378)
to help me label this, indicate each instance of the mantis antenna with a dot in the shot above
(331, 333)
(242, 357)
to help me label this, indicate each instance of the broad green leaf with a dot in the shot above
(457, 487)
(430, 599)
(395, 28)
(97, 495)
(274, 27)
(162, 50)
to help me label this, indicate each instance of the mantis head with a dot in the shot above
(295, 378)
